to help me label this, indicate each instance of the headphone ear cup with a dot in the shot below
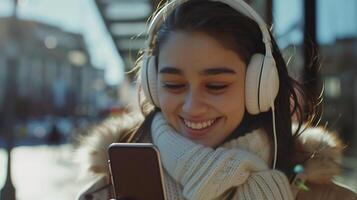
(262, 84)
(269, 84)
(252, 83)
(149, 79)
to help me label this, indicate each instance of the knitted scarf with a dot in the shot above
(196, 172)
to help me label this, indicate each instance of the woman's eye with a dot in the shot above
(173, 86)
(217, 86)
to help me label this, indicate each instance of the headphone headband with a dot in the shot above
(238, 5)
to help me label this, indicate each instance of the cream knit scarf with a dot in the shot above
(196, 172)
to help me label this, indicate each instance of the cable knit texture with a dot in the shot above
(206, 173)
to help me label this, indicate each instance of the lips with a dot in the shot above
(198, 129)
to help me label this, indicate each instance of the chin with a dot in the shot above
(207, 143)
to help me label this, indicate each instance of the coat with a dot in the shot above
(320, 152)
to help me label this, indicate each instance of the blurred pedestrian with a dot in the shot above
(218, 102)
(54, 137)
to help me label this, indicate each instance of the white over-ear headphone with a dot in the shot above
(262, 79)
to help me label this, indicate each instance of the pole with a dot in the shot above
(311, 74)
(269, 12)
(8, 191)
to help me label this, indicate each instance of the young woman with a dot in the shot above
(218, 103)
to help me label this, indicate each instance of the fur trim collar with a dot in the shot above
(92, 152)
(318, 150)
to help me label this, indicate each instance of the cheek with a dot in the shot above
(168, 102)
(232, 106)
(231, 102)
(235, 110)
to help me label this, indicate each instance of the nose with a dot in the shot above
(194, 104)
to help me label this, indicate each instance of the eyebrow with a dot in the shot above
(170, 70)
(210, 71)
(217, 71)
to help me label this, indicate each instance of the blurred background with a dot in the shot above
(63, 67)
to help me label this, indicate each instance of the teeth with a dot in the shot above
(199, 125)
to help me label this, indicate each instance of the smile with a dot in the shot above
(199, 125)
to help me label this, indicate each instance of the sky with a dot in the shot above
(335, 20)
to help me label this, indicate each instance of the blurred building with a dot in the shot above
(54, 74)
(340, 94)
(339, 75)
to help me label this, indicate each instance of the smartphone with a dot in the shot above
(136, 171)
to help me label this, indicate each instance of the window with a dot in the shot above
(336, 20)
(288, 22)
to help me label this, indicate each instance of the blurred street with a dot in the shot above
(42, 172)
(48, 173)
(349, 173)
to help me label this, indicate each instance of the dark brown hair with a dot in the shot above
(226, 25)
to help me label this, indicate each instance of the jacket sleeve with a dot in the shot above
(98, 189)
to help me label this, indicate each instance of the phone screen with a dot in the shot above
(136, 171)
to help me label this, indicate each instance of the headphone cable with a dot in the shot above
(275, 138)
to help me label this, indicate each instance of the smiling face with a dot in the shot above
(200, 87)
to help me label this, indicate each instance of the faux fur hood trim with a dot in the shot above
(320, 153)
(92, 152)
(318, 150)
